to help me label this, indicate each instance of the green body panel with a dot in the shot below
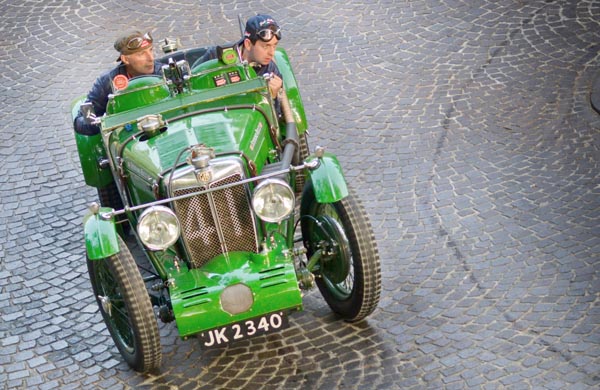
(195, 294)
(227, 131)
(140, 91)
(183, 103)
(291, 89)
(206, 74)
(221, 130)
(91, 150)
(100, 235)
(328, 179)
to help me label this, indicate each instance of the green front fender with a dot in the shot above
(100, 235)
(327, 179)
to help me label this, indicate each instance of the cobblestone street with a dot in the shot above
(464, 126)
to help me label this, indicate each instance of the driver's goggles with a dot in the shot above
(267, 34)
(137, 42)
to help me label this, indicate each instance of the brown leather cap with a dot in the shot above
(132, 42)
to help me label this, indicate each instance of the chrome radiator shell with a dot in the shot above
(218, 221)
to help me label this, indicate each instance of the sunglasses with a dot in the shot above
(267, 34)
(136, 42)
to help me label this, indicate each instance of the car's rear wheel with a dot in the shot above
(109, 197)
(126, 308)
(348, 272)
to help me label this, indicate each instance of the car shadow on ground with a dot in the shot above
(317, 350)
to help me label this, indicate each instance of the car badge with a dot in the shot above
(204, 176)
(120, 82)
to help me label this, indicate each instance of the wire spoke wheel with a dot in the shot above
(113, 304)
(126, 309)
(348, 271)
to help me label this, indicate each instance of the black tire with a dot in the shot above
(350, 279)
(109, 197)
(127, 310)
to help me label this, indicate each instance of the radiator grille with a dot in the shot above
(229, 218)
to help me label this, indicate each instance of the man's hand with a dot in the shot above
(275, 84)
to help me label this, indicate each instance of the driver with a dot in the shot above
(261, 36)
(136, 58)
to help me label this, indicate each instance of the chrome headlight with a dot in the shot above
(158, 228)
(273, 200)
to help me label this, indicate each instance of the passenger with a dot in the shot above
(136, 58)
(261, 36)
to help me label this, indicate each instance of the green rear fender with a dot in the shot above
(100, 235)
(91, 150)
(328, 180)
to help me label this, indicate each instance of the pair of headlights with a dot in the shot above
(273, 201)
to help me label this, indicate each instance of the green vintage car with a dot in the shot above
(212, 211)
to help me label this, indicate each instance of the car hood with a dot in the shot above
(228, 131)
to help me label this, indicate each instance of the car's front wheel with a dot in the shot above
(126, 308)
(348, 271)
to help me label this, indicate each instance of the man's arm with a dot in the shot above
(98, 96)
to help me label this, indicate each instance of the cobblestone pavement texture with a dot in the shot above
(465, 126)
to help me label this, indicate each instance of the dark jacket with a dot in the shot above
(98, 96)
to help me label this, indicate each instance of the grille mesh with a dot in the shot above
(199, 228)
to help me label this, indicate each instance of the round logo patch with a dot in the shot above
(120, 82)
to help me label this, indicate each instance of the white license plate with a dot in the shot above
(244, 329)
